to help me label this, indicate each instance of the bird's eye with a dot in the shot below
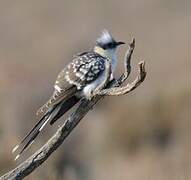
(110, 45)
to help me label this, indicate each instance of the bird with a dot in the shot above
(87, 73)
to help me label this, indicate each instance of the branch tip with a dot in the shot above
(132, 43)
(142, 72)
(142, 66)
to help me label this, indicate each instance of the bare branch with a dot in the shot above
(127, 62)
(113, 88)
(116, 91)
(41, 155)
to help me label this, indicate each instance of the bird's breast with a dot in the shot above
(90, 88)
(113, 64)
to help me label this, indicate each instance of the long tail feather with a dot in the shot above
(68, 104)
(51, 116)
(28, 144)
(31, 136)
(28, 134)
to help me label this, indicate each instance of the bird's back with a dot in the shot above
(83, 70)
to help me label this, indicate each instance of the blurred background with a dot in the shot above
(144, 135)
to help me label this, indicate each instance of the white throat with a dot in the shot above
(108, 53)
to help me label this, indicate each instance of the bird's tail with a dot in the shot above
(30, 137)
(51, 116)
(67, 105)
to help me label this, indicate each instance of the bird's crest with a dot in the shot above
(104, 38)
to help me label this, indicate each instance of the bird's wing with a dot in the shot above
(55, 99)
(82, 70)
(64, 107)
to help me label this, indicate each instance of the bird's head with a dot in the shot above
(106, 44)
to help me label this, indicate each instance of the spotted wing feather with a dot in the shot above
(81, 71)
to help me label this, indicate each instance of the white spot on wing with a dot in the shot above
(78, 74)
(78, 85)
(74, 70)
(57, 88)
(84, 71)
(96, 71)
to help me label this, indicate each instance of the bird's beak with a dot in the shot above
(120, 43)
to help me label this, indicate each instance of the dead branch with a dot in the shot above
(116, 91)
(113, 88)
